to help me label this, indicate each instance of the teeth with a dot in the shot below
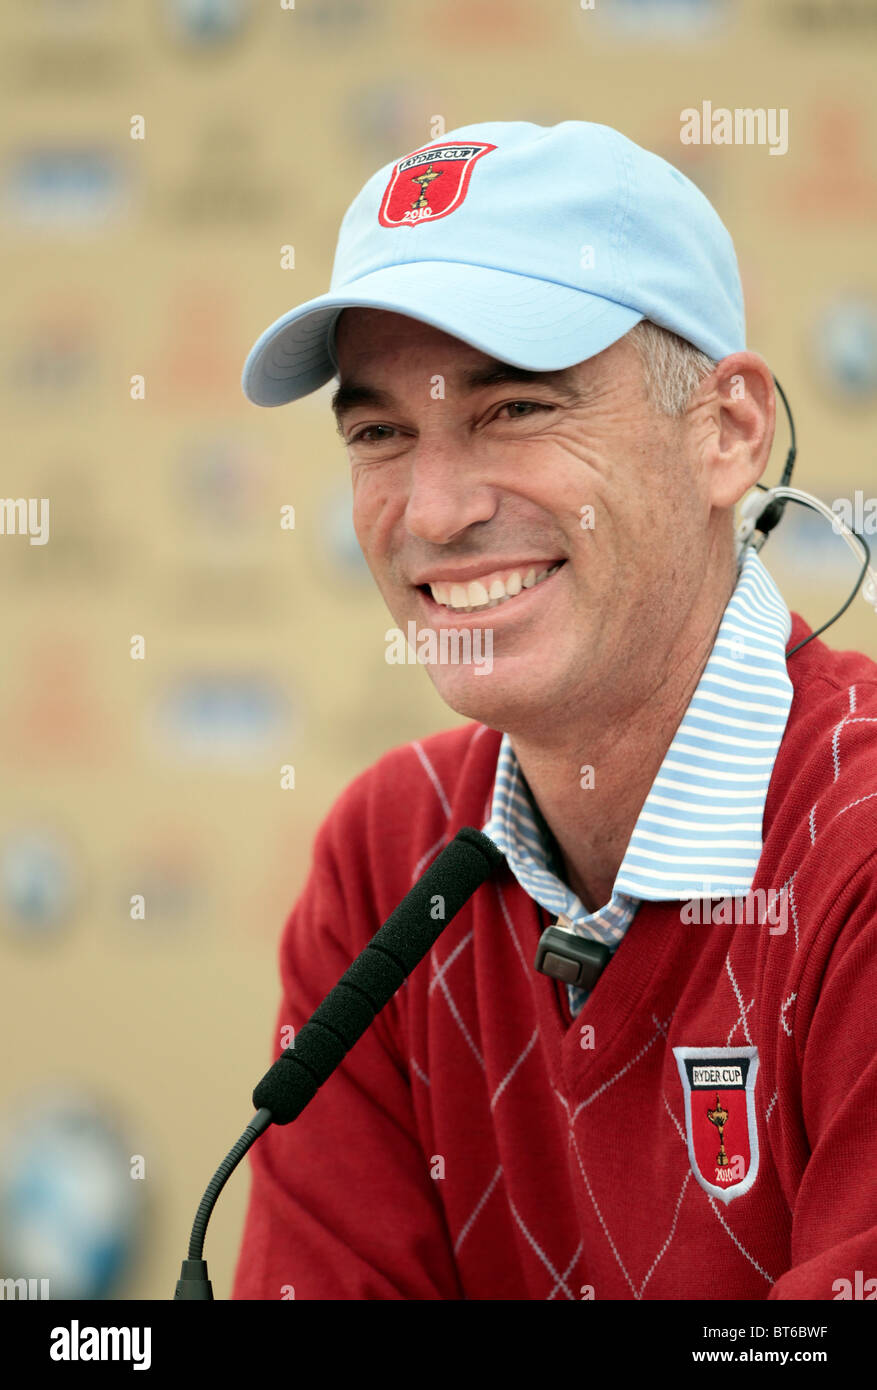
(465, 598)
(477, 594)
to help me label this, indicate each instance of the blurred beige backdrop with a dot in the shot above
(263, 647)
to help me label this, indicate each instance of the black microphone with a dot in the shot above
(348, 1009)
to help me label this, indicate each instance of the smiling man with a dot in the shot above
(600, 632)
(589, 1090)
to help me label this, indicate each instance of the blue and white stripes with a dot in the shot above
(699, 831)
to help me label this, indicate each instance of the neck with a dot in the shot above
(592, 815)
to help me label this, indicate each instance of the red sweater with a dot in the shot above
(477, 1143)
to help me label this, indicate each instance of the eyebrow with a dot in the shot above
(493, 373)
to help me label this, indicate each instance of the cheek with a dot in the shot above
(375, 519)
(361, 528)
(370, 510)
(596, 462)
(590, 493)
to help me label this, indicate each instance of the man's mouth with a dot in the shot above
(488, 590)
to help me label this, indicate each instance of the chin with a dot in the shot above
(494, 697)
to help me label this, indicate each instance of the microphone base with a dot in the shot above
(193, 1282)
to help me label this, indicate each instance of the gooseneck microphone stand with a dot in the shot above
(335, 1025)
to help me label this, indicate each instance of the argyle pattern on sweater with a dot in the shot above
(479, 1142)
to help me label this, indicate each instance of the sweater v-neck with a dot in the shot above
(620, 994)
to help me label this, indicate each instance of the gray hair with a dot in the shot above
(673, 368)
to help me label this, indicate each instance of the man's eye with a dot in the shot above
(528, 406)
(360, 435)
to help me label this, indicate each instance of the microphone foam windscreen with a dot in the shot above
(378, 971)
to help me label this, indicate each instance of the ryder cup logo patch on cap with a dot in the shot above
(429, 183)
(718, 1084)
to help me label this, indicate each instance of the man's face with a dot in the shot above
(471, 481)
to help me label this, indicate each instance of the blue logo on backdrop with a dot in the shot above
(65, 189)
(663, 19)
(69, 1209)
(228, 717)
(206, 23)
(845, 340)
(37, 882)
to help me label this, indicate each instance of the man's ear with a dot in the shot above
(739, 396)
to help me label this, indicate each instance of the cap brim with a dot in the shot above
(537, 324)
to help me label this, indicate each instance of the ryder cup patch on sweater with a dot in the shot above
(719, 1088)
(429, 183)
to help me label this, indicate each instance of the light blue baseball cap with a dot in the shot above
(538, 245)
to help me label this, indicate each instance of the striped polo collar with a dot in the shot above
(699, 831)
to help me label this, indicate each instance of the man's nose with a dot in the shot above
(445, 493)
